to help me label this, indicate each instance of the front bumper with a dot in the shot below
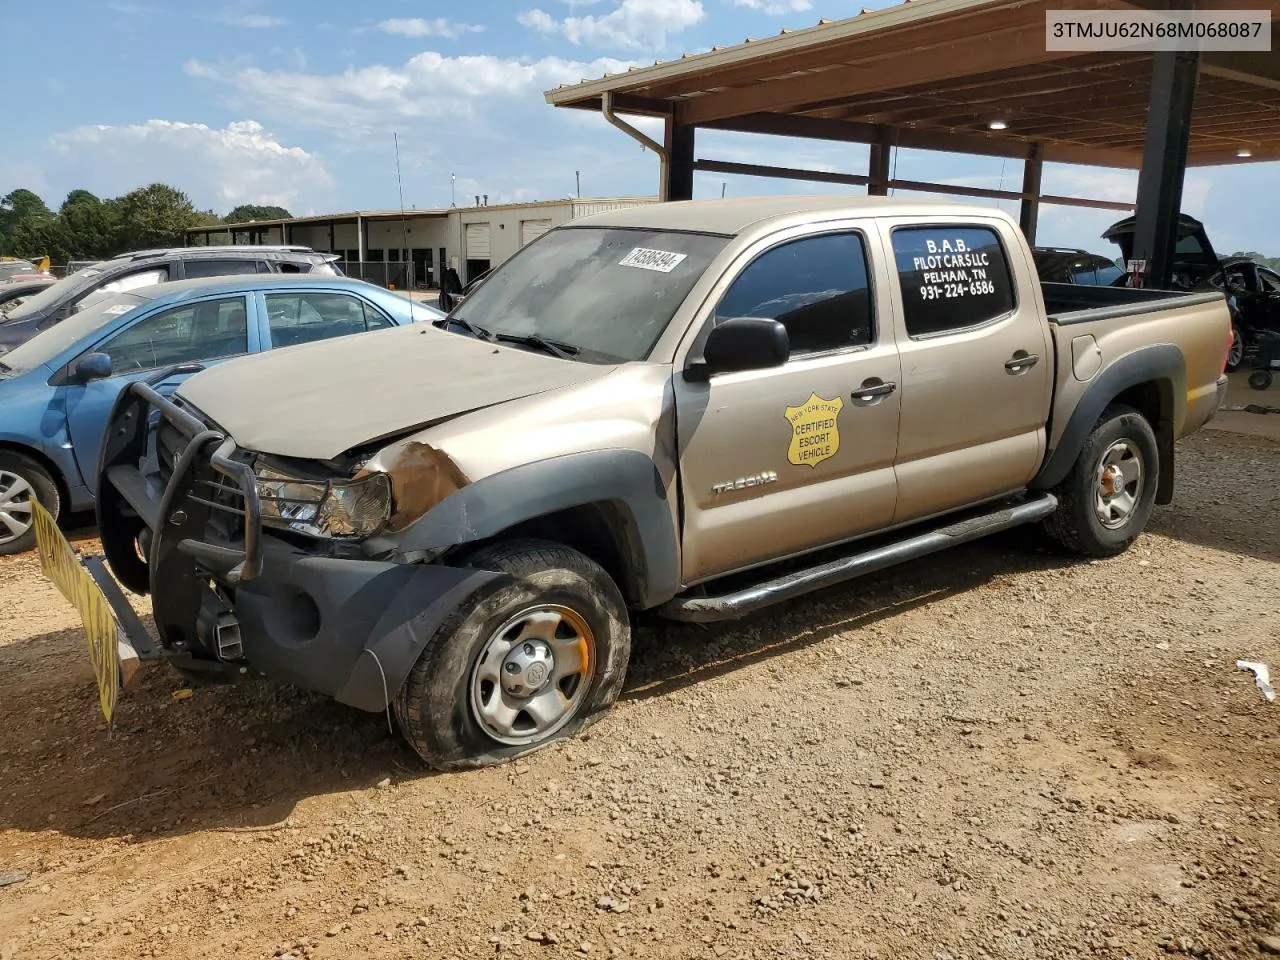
(228, 595)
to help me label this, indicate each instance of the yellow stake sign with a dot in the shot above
(60, 564)
(815, 430)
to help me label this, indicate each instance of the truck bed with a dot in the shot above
(1069, 303)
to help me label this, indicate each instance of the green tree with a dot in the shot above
(19, 209)
(90, 227)
(154, 216)
(253, 211)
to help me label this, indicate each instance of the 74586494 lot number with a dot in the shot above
(974, 288)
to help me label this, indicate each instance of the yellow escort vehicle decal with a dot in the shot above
(815, 430)
(59, 563)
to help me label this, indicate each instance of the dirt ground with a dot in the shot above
(996, 752)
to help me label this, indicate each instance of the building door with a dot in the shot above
(422, 275)
(477, 250)
(531, 230)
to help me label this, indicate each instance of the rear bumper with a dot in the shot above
(344, 626)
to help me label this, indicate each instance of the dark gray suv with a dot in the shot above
(143, 268)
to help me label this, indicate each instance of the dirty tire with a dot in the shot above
(20, 476)
(1235, 353)
(1260, 379)
(1076, 523)
(434, 706)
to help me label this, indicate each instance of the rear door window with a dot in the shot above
(296, 318)
(221, 268)
(951, 277)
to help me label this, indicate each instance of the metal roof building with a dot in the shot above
(964, 76)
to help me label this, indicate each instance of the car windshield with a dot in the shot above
(55, 294)
(606, 294)
(47, 344)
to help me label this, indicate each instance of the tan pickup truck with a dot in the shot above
(697, 408)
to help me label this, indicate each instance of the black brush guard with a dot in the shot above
(136, 504)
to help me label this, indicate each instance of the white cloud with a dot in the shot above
(775, 6)
(538, 20)
(632, 25)
(428, 86)
(220, 168)
(253, 21)
(418, 27)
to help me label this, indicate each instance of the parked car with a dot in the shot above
(143, 268)
(11, 267)
(57, 389)
(1196, 266)
(1256, 291)
(14, 293)
(1068, 265)
(673, 408)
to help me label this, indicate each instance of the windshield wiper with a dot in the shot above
(480, 333)
(556, 348)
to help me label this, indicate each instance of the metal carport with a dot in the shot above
(964, 76)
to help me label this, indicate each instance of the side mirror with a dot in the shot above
(742, 343)
(93, 366)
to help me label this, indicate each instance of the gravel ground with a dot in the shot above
(995, 752)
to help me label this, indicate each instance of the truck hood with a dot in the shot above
(320, 400)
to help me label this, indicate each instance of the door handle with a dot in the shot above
(1021, 362)
(873, 391)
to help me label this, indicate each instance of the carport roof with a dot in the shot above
(934, 74)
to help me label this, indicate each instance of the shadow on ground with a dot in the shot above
(245, 755)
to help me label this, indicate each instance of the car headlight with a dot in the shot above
(339, 509)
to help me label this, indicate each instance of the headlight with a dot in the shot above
(341, 509)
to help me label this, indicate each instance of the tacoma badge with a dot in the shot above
(742, 483)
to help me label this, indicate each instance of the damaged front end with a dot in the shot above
(257, 564)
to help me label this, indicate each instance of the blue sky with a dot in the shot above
(295, 103)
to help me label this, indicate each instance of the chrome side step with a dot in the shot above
(739, 603)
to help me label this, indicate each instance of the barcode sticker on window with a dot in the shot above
(660, 260)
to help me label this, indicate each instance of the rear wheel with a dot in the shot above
(22, 483)
(1260, 379)
(1235, 353)
(1106, 500)
(520, 665)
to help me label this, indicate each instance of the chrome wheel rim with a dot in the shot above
(16, 499)
(1236, 352)
(533, 674)
(1119, 484)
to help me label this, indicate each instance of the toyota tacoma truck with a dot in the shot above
(694, 408)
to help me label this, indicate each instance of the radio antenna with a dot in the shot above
(404, 229)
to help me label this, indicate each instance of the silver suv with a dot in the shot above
(143, 268)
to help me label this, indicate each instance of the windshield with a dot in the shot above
(55, 294)
(606, 293)
(47, 344)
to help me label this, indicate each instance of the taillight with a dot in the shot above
(1226, 354)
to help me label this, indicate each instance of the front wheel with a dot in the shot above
(1105, 501)
(22, 483)
(519, 666)
(1260, 379)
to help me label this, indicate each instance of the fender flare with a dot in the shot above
(626, 482)
(1162, 364)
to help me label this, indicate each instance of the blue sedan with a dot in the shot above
(58, 388)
